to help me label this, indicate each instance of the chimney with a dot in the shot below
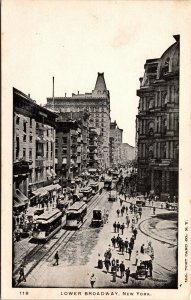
(29, 95)
(65, 94)
(78, 92)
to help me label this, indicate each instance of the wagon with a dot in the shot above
(97, 219)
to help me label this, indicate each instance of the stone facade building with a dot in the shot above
(115, 138)
(33, 145)
(98, 105)
(158, 124)
(127, 153)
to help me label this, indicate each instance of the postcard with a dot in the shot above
(96, 149)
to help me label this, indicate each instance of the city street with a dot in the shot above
(79, 258)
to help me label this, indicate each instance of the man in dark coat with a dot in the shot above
(127, 273)
(114, 226)
(56, 256)
(142, 249)
(118, 227)
(126, 243)
(122, 268)
(107, 264)
(122, 228)
(135, 232)
(130, 251)
(113, 240)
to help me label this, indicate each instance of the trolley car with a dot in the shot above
(95, 187)
(47, 225)
(108, 184)
(76, 215)
(87, 193)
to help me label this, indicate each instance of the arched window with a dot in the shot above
(164, 126)
(166, 67)
(151, 154)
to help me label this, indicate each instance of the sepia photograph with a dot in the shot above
(96, 168)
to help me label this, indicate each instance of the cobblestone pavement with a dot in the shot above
(79, 260)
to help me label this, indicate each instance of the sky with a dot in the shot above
(74, 40)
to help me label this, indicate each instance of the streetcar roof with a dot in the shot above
(94, 184)
(49, 216)
(88, 189)
(77, 206)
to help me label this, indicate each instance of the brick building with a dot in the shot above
(115, 138)
(158, 124)
(33, 145)
(97, 103)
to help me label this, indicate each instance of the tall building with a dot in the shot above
(97, 103)
(33, 146)
(127, 153)
(158, 124)
(116, 139)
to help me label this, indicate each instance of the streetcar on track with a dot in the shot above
(108, 184)
(76, 215)
(87, 193)
(95, 187)
(47, 225)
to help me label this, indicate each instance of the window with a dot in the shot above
(46, 150)
(25, 127)
(51, 150)
(17, 147)
(17, 120)
(64, 140)
(64, 151)
(30, 154)
(24, 153)
(30, 122)
(56, 152)
(24, 138)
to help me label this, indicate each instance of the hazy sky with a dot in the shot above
(72, 41)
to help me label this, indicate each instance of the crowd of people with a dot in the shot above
(123, 241)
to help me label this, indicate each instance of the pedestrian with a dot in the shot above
(92, 280)
(142, 249)
(154, 209)
(122, 268)
(113, 240)
(122, 211)
(56, 256)
(118, 211)
(140, 214)
(127, 273)
(126, 244)
(114, 226)
(118, 227)
(136, 257)
(117, 240)
(130, 252)
(121, 201)
(22, 273)
(122, 228)
(137, 218)
(126, 209)
(131, 245)
(135, 233)
(151, 268)
(107, 264)
(122, 246)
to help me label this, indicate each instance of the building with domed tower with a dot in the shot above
(157, 124)
(97, 103)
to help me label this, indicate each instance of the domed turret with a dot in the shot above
(169, 61)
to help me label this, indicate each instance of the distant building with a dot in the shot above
(33, 146)
(115, 138)
(97, 103)
(158, 124)
(127, 153)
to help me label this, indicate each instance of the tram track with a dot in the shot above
(40, 253)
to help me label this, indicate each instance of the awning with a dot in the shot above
(52, 172)
(20, 196)
(40, 192)
(18, 203)
(49, 187)
(48, 174)
(57, 186)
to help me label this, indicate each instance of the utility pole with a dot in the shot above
(53, 92)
